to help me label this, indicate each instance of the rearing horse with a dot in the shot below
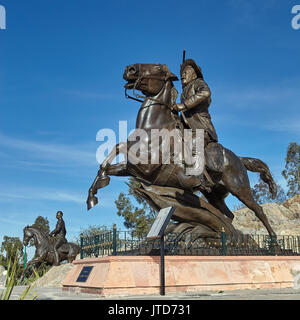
(155, 82)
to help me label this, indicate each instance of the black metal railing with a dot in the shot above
(114, 242)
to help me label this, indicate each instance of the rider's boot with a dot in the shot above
(205, 183)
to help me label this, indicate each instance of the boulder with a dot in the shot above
(284, 218)
(54, 277)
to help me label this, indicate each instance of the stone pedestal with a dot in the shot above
(136, 275)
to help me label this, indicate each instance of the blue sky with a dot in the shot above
(61, 66)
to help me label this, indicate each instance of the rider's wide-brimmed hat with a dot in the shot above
(193, 64)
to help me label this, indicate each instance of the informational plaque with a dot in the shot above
(84, 274)
(160, 223)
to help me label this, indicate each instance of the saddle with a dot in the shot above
(64, 247)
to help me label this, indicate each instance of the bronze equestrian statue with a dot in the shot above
(46, 245)
(228, 172)
(59, 234)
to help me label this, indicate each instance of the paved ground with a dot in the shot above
(259, 294)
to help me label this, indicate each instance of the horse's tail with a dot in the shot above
(256, 165)
(75, 247)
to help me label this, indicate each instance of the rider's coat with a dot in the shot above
(60, 235)
(197, 116)
(60, 229)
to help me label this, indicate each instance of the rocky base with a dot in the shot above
(54, 277)
(284, 218)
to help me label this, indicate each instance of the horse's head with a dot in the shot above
(28, 234)
(148, 78)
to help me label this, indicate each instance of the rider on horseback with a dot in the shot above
(59, 234)
(195, 101)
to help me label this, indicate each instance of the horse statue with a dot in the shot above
(167, 181)
(44, 247)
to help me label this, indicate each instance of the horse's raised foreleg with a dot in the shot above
(32, 263)
(119, 170)
(120, 148)
(102, 179)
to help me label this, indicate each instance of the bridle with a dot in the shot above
(26, 237)
(138, 97)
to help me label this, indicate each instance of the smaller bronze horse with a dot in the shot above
(44, 247)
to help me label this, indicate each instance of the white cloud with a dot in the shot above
(291, 125)
(28, 193)
(92, 95)
(256, 98)
(12, 194)
(47, 151)
(12, 221)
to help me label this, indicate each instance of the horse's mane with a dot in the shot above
(43, 232)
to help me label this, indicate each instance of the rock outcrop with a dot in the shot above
(54, 277)
(284, 218)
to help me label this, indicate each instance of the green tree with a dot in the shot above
(12, 247)
(91, 231)
(41, 223)
(137, 218)
(261, 193)
(292, 169)
(12, 250)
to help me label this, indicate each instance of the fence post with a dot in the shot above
(96, 245)
(81, 246)
(223, 239)
(25, 257)
(273, 245)
(114, 240)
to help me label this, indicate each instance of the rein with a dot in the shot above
(138, 97)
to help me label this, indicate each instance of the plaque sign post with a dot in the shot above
(157, 231)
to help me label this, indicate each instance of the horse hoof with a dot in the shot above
(91, 202)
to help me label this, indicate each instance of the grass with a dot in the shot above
(29, 293)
